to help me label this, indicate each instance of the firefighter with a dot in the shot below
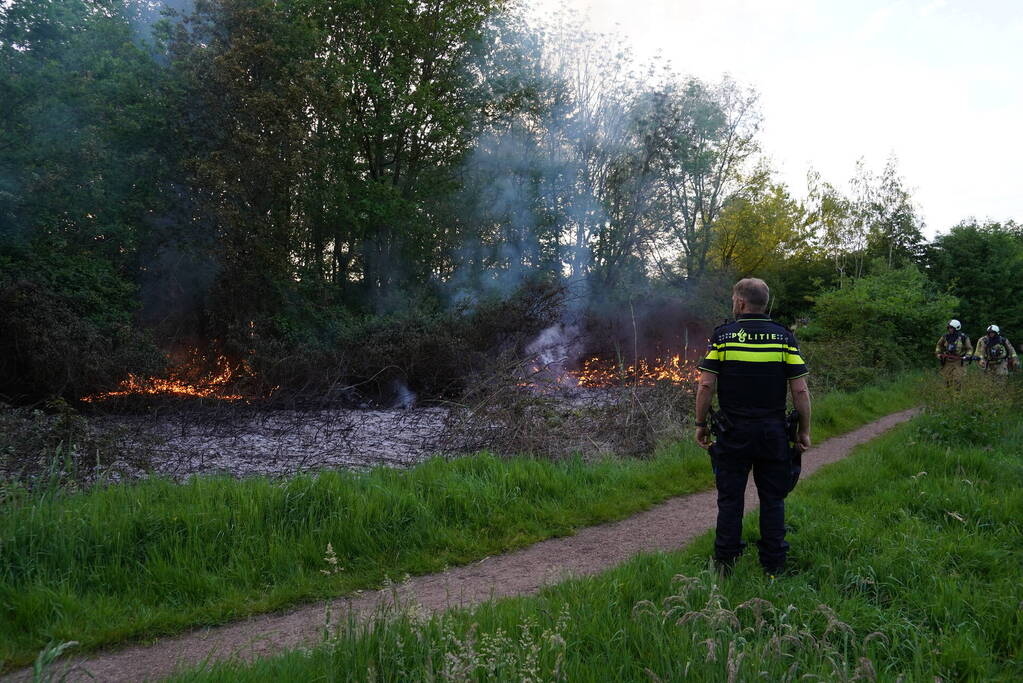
(996, 353)
(750, 364)
(951, 349)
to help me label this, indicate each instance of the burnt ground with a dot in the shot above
(180, 441)
(278, 442)
(668, 526)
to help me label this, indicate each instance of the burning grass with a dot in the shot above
(196, 377)
(554, 407)
(203, 417)
(483, 383)
(598, 372)
(214, 387)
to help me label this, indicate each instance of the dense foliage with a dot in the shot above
(280, 182)
(982, 264)
(876, 321)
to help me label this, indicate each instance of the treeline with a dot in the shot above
(309, 185)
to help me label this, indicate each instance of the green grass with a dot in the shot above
(139, 560)
(908, 566)
(840, 412)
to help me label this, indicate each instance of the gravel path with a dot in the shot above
(667, 526)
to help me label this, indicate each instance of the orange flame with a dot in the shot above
(214, 386)
(600, 372)
(603, 373)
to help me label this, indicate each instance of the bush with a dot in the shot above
(434, 351)
(887, 320)
(49, 348)
(982, 264)
(67, 321)
(440, 352)
(837, 365)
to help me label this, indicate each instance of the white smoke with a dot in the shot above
(534, 182)
(555, 350)
(404, 398)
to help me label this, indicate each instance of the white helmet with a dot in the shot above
(955, 324)
(994, 328)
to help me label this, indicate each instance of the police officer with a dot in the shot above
(950, 349)
(995, 351)
(749, 363)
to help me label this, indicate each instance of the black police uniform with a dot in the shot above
(754, 358)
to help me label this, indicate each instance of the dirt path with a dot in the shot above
(668, 526)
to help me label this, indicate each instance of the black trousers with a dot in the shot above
(760, 445)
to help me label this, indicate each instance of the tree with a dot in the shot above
(588, 134)
(244, 113)
(409, 103)
(81, 161)
(894, 231)
(875, 222)
(326, 140)
(565, 180)
(890, 318)
(859, 217)
(982, 264)
(704, 135)
(827, 220)
(84, 172)
(757, 228)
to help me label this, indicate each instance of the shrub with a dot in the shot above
(439, 352)
(888, 320)
(432, 350)
(51, 348)
(836, 365)
(67, 321)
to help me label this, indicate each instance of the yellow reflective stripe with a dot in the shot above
(712, 355)
(773, 346)
(794, 359)
(752, 357)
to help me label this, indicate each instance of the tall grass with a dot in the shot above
(907, 566)
(839, 412)
(154, 557)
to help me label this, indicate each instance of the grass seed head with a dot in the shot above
(333, 564)
(712, 646)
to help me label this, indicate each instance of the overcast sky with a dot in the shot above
(937, 82)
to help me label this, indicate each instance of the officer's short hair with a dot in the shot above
(754, 291)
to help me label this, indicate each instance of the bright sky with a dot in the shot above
(937, 82)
